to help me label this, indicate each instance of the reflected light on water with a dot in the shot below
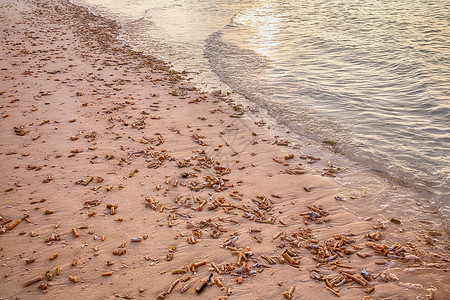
(263, 24)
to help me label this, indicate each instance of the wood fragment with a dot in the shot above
(289, 258)
(33, 281)
(336, 293)
(268, 259)
(31, 260)
(11, 226)
(75, 233)
(289, 294)
(172, 286)
(362, 255)
(49, 275)
(239, 260)
(344, 266)
(119, 252)
(216, 268)
(44, 286)
(219, 282)
(184, 288)
(277, 235)
(198, 264)
(203, 284)
(355, 278)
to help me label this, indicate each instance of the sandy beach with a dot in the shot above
(121, 180)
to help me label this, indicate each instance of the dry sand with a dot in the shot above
(105, 151)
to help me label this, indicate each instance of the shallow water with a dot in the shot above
(374, 76)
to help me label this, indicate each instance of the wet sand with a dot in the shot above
(120, 180)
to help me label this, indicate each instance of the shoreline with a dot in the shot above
(179, 169)
(402, 186)
(407, 191)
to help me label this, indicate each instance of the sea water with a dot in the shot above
(372, 76)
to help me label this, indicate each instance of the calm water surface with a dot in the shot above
(372, 75)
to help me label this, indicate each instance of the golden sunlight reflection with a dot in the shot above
(263, 23)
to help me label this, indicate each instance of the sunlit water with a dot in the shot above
(374, 76)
